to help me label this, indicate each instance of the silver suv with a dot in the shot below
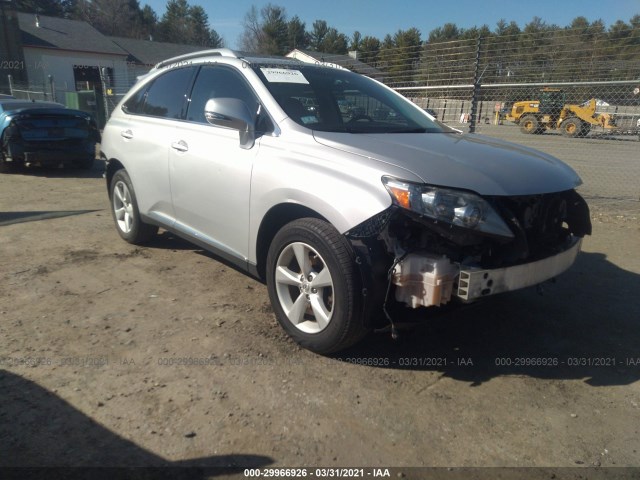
(344, 213)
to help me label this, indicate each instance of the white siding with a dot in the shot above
(42, 62)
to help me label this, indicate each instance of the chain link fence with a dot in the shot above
(99, 97)
(572, 94)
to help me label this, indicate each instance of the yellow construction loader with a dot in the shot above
(552, 113)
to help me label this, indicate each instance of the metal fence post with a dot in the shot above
(10, 78)
(52, 88)
(476, 88)
(105, 85)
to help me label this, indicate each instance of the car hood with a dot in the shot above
(485, 165)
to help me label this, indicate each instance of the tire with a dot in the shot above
(124, 208)
(529, 124)
(5, 167)
(312, 285)
(572, 127)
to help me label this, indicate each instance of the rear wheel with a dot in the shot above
(572, 127)
(529, 124)
(124, 208)
(5, 167)
(312, 286)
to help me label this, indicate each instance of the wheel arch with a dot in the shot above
(113, 165)
(276, 218)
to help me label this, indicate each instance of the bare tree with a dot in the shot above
(267, 32)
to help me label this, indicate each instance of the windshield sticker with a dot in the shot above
(283, 75)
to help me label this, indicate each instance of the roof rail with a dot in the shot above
(222, 52)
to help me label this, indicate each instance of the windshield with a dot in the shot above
(333, 100)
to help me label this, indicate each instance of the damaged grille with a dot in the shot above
(542, 224)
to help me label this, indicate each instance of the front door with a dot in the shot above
(210, 174)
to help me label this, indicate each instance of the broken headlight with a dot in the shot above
(463, 209)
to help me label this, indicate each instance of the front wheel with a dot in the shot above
(313, 286)
(572, 127)
(529, 124)
(124, 208)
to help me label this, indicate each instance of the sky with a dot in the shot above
(379, 17)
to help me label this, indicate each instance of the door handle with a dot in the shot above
(180, 146)
(128, 134)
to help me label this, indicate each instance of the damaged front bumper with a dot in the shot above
(477, 283)
(423, 263)
(426, 280)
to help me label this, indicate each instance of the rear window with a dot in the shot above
(165, 97)
(53, 128)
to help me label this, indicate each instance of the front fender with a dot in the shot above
(343, 192)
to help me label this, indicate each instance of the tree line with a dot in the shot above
(536, 52)
(181, 22)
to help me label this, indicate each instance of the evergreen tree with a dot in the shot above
(369, 51)
(296, 34)
(182, 23)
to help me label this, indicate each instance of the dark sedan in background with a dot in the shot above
(38, 133)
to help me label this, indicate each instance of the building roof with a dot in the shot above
(147, 52)
(345, 61)
(64, 34)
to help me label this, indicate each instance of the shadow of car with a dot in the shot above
(44, 436)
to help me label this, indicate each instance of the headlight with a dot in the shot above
(462, 209)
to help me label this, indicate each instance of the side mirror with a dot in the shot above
(232, 113)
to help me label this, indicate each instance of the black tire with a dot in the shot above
(572, 127)
(124, 209)
(325, 249)
(529, 124)
(5, 167)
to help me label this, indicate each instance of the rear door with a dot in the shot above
(145, 136)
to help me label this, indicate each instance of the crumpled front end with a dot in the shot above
(429, 262)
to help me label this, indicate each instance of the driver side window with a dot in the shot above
(220, 82)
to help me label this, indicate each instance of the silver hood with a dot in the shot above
(472, 162)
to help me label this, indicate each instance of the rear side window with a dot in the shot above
(165, 97)
(136, 102)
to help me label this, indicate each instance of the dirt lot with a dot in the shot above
(117, 355)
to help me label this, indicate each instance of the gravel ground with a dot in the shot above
(161, 355)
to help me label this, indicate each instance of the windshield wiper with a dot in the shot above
(409, 130)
